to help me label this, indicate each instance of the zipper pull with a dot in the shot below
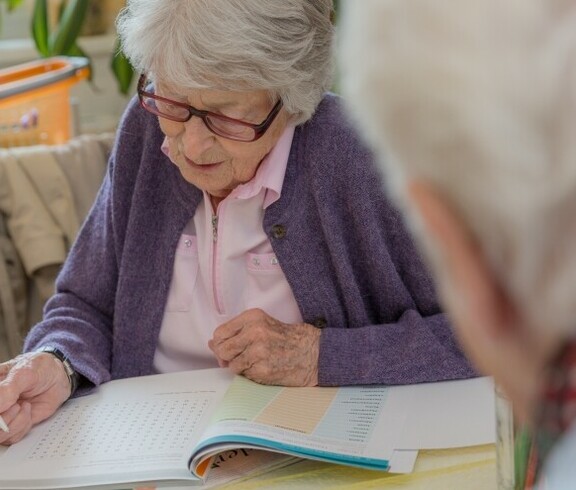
(214, 227)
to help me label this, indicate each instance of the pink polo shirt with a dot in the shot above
(225, 265)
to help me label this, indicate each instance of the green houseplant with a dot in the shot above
(61, 39)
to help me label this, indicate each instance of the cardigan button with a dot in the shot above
(278, 231)
(320, 322)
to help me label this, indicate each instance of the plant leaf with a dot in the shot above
(65, 35)
(12, 4)
(122, 69)
(40, 27)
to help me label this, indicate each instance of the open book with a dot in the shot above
(168, 428)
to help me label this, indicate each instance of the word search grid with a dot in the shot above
(161, 427)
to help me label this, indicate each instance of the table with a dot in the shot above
(471, 468)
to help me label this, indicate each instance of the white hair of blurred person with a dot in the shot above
(478, 99)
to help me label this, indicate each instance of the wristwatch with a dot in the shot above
(73, 376)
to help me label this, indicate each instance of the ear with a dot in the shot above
(469, 289)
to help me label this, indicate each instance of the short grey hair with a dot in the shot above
(282, 46)
(478, 98)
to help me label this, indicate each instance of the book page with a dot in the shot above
(358, 425)
(137, 429)
(241, 464)
(336, 424)
(467, 415)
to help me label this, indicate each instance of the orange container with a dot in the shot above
(35, 100)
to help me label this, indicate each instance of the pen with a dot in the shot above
(3, 425)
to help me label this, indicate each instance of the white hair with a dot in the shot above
(479, 99)
(282, 46)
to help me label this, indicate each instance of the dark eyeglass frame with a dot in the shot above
(259, 129)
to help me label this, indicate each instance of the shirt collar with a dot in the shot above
(270, 173)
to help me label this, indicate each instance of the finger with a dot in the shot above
(21, 425)
(227, 331)
(8, 398)
(255, 363)
(232, 348)
(8, 416)
(241, 365)
(211, 345)
(221, 362)
(237, 324)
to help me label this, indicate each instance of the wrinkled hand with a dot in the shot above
(268, 351)
(32, 387)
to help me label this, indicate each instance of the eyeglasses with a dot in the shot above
(224, 126)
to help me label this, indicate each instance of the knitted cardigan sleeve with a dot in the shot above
(353, 267)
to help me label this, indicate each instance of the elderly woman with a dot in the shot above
(241, 224)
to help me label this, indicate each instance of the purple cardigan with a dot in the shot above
(343, 248)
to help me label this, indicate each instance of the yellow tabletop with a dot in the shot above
(472, 468)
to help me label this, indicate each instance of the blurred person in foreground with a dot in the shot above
(472, 108)
(242, 223)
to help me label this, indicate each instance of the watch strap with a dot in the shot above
(73, 376)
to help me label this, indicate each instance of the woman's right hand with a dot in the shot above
(32, 387)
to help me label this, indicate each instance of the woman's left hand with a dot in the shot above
(268, 351)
